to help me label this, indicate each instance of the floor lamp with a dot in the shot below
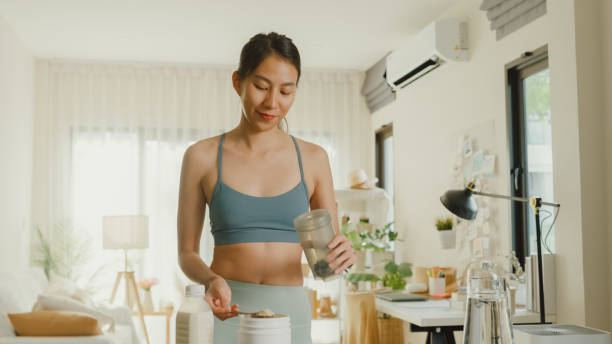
(123, 233)
(461, 203)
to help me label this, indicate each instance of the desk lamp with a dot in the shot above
(461, 203)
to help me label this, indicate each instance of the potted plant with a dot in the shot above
(444, 225)
(375, 240)
(393, 277)
(372, 246)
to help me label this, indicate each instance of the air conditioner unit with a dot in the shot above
(441, 41)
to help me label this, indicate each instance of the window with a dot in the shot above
(384, 158)
(529, 120)
(117, 171)
(384, 163)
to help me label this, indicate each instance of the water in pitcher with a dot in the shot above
(487, 321)
(487, 318)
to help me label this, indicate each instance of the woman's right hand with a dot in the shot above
(218, 296)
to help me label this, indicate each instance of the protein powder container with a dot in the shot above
(273, 330)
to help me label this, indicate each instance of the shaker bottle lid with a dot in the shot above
(312, 220)
(194, 290)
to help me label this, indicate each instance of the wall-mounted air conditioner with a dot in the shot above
(441, 41)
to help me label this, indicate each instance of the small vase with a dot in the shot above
(147, 301)
(447, 238)
(437, 285)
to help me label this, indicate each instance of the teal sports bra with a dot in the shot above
(236, 217)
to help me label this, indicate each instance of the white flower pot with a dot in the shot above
(437, 285)
(447, 239)
(147, 301)
(368, 258)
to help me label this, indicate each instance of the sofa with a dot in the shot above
(19, 291)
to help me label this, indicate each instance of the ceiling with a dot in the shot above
(338, 34)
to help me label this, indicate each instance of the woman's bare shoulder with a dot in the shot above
(203, 153)
(312, 152)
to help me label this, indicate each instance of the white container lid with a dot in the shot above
(271, 323)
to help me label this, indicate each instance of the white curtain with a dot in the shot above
(109, 139)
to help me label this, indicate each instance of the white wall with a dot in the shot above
(16, 102)
(606, 40)
(429, 114)
(470, 97)
(589, 63)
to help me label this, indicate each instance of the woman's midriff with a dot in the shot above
(271, 263)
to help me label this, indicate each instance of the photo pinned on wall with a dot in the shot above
(467, 147)
(462, 229)
(488, 165)
(467, 174)
(483, 164)
(457, 162)
(486, 228)
(460, 143)
(472, 231)
(477, 163)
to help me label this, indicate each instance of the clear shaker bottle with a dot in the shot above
(315, 230)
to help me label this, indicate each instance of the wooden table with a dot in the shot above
(164, 313)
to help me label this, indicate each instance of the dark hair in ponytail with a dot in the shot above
(262, 45)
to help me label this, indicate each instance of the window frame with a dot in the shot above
(382, 133)
(528, 64)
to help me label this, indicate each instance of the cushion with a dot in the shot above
(104, 339)
(54, 323)
(62, 303)
(61, 286)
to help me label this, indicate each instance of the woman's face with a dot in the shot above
(268, 93)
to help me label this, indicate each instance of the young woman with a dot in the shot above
(256, 179)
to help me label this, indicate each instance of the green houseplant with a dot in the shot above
(374, 240)
(444, 223)
(393, 277)
(67, 252)
(395, 274)
(63, 251)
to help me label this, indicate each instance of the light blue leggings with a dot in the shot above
(250, 297)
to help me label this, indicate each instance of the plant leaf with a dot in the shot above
(405, 269)
(391, 267)
(393, 236)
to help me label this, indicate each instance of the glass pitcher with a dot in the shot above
(487, 319)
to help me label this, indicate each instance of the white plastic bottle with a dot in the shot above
(194, 319)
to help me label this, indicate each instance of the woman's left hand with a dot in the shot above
(342, 255)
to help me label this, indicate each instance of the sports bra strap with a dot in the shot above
(220, 157)
(299, 157)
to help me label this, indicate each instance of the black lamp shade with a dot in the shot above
(460, 203)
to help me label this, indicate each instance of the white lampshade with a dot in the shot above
(125, 232)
